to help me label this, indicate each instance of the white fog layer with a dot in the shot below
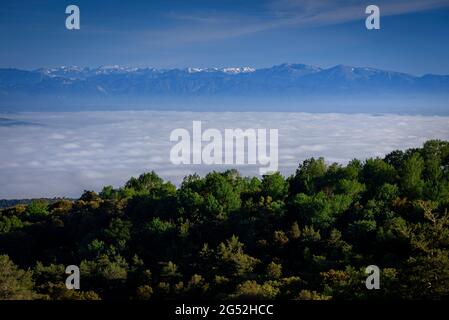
(62, 154)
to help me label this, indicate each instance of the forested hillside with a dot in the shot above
(308, 236)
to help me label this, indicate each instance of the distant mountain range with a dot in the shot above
(65, 84)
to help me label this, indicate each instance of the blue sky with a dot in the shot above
(168, 34)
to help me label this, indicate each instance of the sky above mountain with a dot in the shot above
(174, 34)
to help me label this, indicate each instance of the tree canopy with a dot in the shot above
(308, 236)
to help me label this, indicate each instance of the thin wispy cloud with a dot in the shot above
(207, 26)
(331, 11)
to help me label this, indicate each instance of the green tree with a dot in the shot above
(308, 177)
(411, 173)
(15, 283)
(275, 186)
(234, 261)
(37, 209)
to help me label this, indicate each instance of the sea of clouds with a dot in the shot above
(62, 154)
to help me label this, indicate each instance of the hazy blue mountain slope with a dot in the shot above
(93, 88)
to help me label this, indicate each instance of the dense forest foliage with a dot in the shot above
(223, 236)
(5, 203)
